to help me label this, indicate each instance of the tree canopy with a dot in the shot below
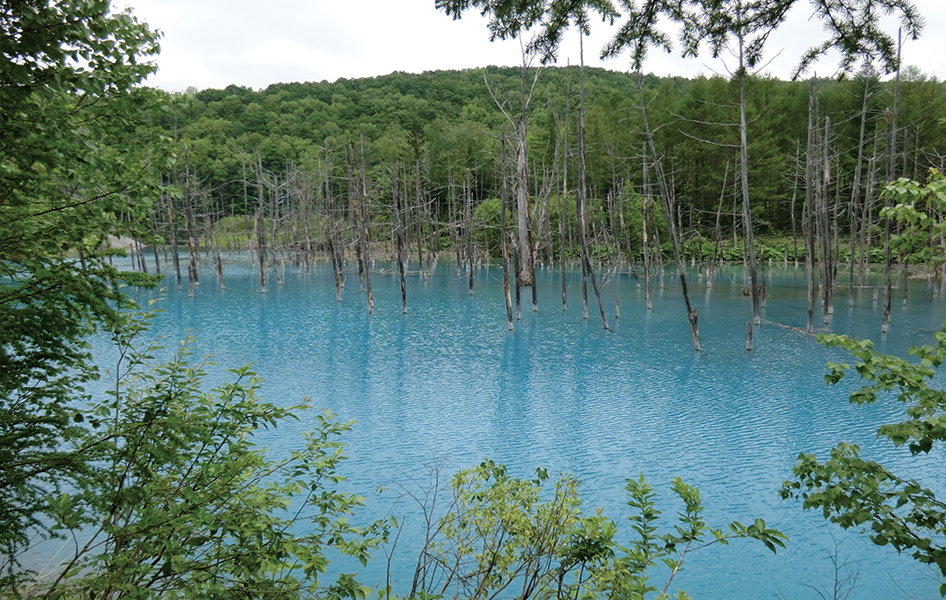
(73, 170)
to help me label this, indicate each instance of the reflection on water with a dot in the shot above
(448, 380)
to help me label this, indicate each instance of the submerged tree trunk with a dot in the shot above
(275, 245)
(744, 176)
(364, 234)
(807, 211)
(891, 175)
(562, 212)
(354, 215)
(192, 241)
(175, 251)
(399, 235)
(214, 252)
(582, 200)
(665, 196)
(856, 221)
(261, 244)
(330, 229)
(419, 218)
(468, 229)
(645, 205)
(824, 226)
(792, 205)
(526, 267)
(503, 233)
(718, 234)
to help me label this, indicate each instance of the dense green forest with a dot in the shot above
(447, 122)
(241, 152)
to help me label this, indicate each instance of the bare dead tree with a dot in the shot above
(399, 234)
(582, 200)
(503, 233)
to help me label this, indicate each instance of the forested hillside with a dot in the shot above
(437, 129)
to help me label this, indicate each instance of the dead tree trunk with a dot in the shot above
(468, 229)
(718, 232)
(330, 228)
(856, 191)
(366, 226)
(824, 226)
(275, 246)
(645, 205)
(503, 234)
(214, 252)
(418, 216)
(808, 210)
(175, 252)
(399, 236)
(622, 203)
(562, 207)
(260, 229)
(582, 197)
(665, 195)
(525, 259)
(192, 241)
(744, 175)
(454, 226)
(354, 209)
(891, 175)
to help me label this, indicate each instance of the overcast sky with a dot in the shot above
(215, 43)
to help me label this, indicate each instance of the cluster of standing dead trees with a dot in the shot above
(331, 209)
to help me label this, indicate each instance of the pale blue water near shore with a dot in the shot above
(448, 381)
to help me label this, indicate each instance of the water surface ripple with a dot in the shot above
(448, 381)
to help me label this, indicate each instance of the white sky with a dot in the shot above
(215, 43)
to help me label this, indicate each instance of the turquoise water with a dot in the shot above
(448, 382)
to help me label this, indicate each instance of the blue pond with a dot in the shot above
(447, 381)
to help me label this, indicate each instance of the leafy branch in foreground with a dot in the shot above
(855, 492)
(917, 210)
(505, 537)
(181, 502)
(629, 574)
(79, 161)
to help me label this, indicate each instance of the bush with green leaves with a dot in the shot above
(79, 158)
(500, 536)
(855, 492)
(179, 501)
(917, 210)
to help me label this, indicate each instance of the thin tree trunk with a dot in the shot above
(454, 225)
(468, 230)
(665, 195)
(526, 267)
(503, 234)
(891, 175)
(331, 227)
(824, 227)
(808, 210)
(627, 238)
(856, 190)
(354, 211)
(175, 252)
(418, 218)
(794, 198)
(399, 236)
(645, 202)
(214, 253)
(744, 173)
(714, 260)
(562, 210)
(274, 240)
(582, 200)
(365, 233)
